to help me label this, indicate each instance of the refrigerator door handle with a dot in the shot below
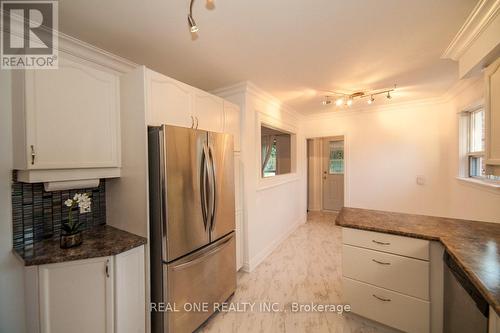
(204, 180)
(213, 189)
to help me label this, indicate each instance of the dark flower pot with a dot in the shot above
(71, 240)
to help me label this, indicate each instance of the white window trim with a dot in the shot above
(264, 183)
(463, 155)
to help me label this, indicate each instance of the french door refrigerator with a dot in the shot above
(192, 222)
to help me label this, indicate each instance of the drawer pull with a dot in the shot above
(380, 243)
(381, 298)
(381, 262)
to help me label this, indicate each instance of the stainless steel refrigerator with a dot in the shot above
(192, 221)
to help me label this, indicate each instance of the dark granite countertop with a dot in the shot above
(99, 241)
(475, 246)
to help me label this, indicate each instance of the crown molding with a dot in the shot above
(81, 49)
(249, 88)
(479, 19)
(89, 52)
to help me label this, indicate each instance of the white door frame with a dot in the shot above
(347, 196)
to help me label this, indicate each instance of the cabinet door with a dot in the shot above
(77, 296)
(239, 239)
(209, 111)
(72, 116)
(492, 75)
(130, 297)
(232, 122)
(170, 101)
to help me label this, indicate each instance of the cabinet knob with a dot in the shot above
(107, 268)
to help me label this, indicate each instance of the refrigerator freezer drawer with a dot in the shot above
(200, 279)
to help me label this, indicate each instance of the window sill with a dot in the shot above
(481, 183)
(270, 182)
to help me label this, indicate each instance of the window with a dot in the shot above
(475, 143)
(276, 152)
(336, 163)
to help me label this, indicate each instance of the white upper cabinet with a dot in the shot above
(170, 101)
(492, 75)
(175, 103)
(66, 118)
(208, 111)
(232, 122)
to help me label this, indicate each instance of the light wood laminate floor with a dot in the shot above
(305, 268)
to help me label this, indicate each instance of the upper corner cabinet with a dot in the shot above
(66, 121)
(492, 76)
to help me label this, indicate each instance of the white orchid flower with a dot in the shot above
(68, 203)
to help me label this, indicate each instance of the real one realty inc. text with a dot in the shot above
(293, 307)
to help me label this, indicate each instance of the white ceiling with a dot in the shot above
(291, 48)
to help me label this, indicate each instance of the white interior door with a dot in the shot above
(333, 173)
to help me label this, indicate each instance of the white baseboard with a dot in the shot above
(251, 264)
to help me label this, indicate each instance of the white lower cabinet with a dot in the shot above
(104, 294)
(387, 278)
(77, 296)
(403, 312)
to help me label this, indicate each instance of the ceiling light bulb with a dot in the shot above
(388, 95)
(192, 24)
(339, 101)
(349, 102)
(326, 101)
(371, 100)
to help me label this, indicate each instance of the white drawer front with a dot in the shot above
(403, 312)
(406, 246)
(405, 275)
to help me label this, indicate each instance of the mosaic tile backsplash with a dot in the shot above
(37, 215)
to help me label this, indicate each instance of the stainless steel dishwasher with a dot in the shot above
(465, 309)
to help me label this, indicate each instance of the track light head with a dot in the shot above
(339, 101)
(349, 102)
(371, 100)
(389, 95)
(192, 24)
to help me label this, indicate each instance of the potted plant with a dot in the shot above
(71, 235)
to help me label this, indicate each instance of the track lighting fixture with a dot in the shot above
(347, 99)
(327, 100)
(192, 23)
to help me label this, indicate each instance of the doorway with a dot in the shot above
(326, 168)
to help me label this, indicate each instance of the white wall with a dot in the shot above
(11, 270)
(387, 147)
(275, 206)
(314, 174)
